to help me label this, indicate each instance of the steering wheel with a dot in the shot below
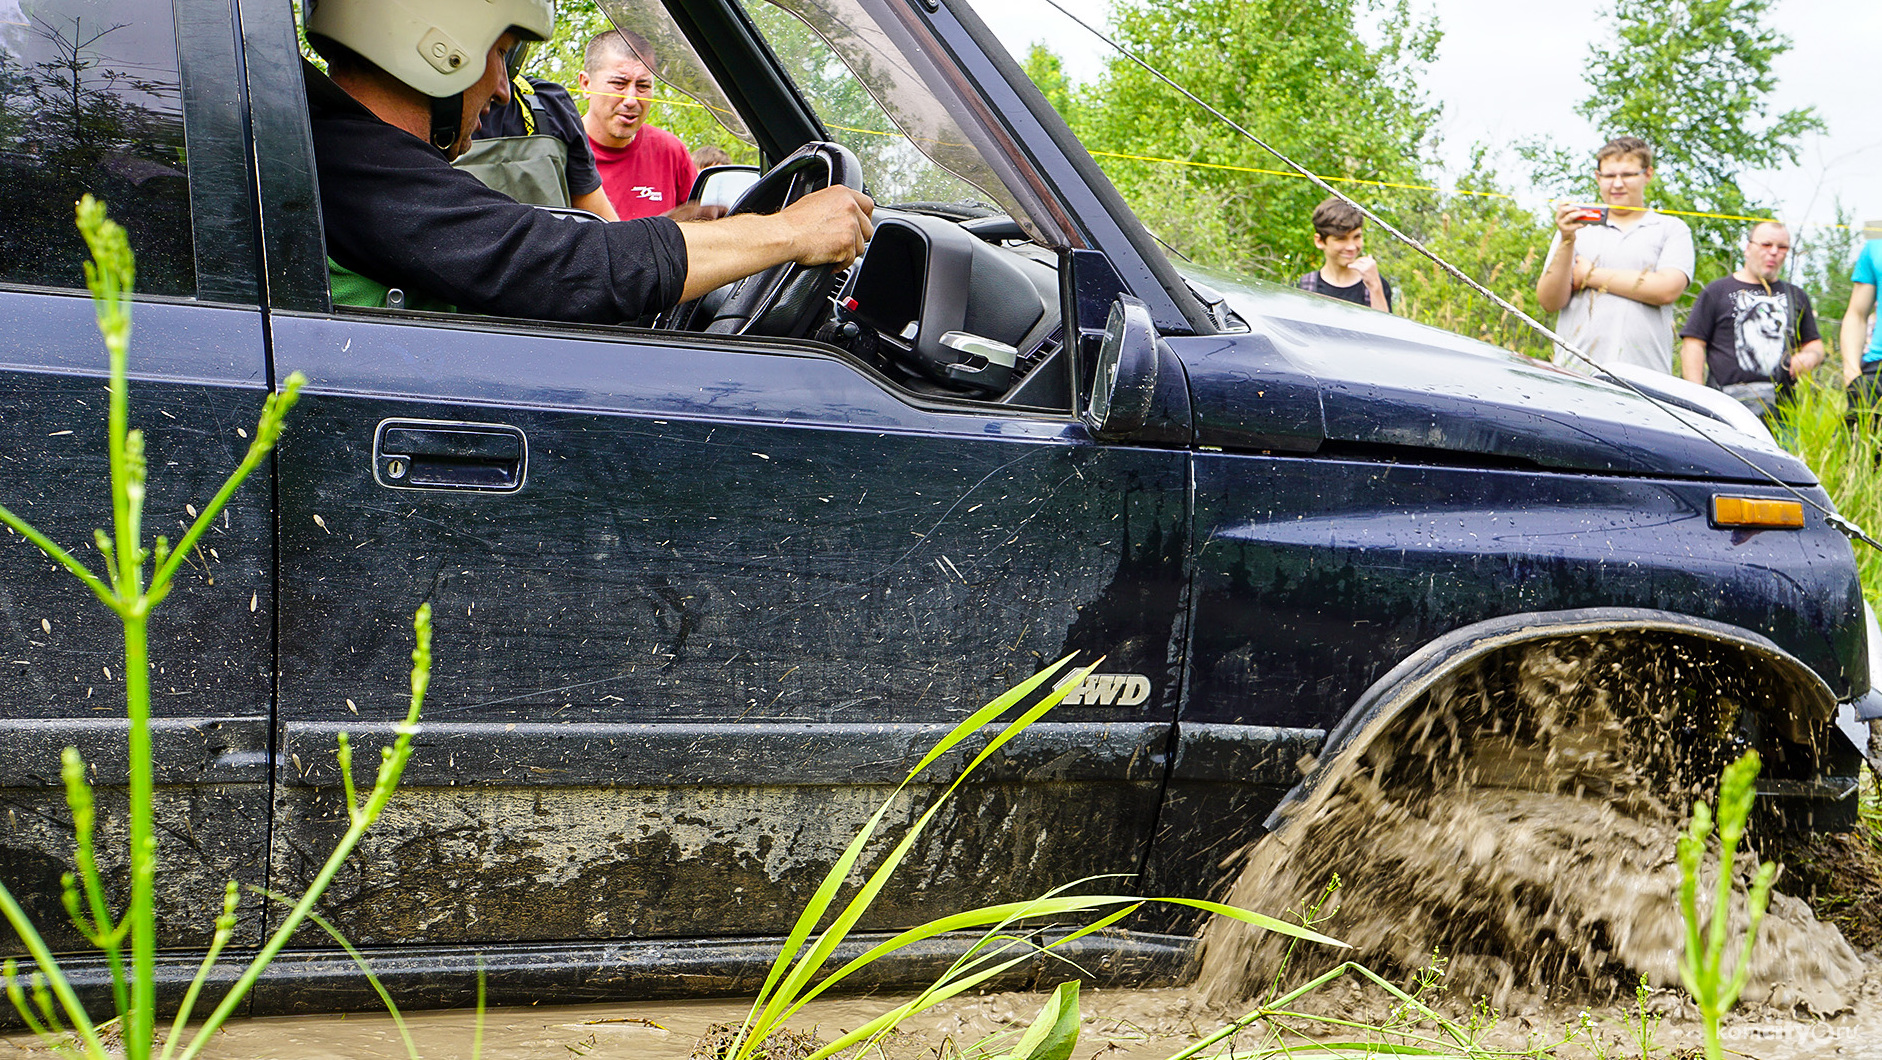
(785, 301)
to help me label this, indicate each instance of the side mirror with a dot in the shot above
(1124, 382)
(722, 185)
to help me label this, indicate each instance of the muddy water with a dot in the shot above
(1118, 1025)
(1522, 824)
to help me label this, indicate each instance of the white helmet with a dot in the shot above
(436, 46)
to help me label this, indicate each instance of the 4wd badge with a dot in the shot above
(1110, 690)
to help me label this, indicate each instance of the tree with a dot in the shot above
(686, 93)
(1297, 73)
(1821, 261)
(1047, 71)
(1693, 78)
(1294, 72)
(1494, 241)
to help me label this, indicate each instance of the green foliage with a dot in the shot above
(1493, 240)
(1320, 94)
(1053, 1033)
(1702, 967)
(1843, 455)
(1047, 70)
(1693, 78)
(560, 60)
(43, 998)
(1294, 72)
(1822, 256)
(794, 982)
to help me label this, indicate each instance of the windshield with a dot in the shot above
(864, 90)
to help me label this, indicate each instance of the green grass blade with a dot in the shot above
(1256, 919)
(785, 968)
(801, 972)
(901, 1012)
(49, 967)
(1054, 1032)
(359, 961)
(995, 917)
(477, 1029)
(960, 979)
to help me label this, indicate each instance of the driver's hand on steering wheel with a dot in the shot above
(831, 226)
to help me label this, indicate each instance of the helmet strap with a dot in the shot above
(447, 120)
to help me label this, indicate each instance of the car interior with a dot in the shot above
(957, 295)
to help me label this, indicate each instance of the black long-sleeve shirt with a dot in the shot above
(397, 212)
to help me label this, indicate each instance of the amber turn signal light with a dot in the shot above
(1757, 512)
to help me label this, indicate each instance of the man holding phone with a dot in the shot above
(1615, 270)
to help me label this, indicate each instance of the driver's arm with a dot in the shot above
(825, 227)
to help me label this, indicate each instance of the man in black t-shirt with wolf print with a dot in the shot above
(1751, 334)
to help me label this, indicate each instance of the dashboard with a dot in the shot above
(951, 306)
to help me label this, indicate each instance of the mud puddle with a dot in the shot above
(1118, 1025)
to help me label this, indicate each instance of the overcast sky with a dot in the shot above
(1508, 70)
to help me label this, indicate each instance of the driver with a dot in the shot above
(408, 81)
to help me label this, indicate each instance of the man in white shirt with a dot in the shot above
(1614, 271)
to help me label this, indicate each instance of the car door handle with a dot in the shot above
(440, 454)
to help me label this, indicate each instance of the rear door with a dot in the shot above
(122, 100)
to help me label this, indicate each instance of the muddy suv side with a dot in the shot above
(700, 598)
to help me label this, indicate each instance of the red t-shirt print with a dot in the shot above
(651, 175)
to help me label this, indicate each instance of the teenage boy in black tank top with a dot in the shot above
(1349, 274)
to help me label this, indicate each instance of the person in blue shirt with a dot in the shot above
(1862, 345)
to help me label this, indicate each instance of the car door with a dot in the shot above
(102, 97)
(699, 603)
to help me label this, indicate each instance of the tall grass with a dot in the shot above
(135, 581)
(1845, 457)
(797, 977)
(1714, 985)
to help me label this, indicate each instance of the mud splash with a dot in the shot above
(1521, 822)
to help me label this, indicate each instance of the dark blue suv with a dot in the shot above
(702, 596)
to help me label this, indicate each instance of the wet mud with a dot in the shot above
(1521, 823)
(1117, 1025)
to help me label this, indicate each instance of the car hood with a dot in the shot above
(1316, 374)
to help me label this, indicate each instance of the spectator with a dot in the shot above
(534, 147)
(1750, 332)
(1862, 344)
(1349, 273)
(645, 169)
(711, 155)
(1614, 271)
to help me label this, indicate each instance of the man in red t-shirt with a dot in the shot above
(644, 169)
